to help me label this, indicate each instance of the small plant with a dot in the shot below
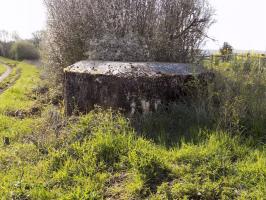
(226, 51)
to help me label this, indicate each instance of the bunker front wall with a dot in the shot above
(132, 94)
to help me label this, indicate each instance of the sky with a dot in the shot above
(23, 16)
(242, 23)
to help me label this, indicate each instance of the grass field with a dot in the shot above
(2, 69)
(196, 151)
(14, 75)
(15, 100)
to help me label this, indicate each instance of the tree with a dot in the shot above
(5, 42)
(5, 36)
(37, 38)
(226, 51)
(166, 30)
(24, 50)
(1, 49)
(15, 36)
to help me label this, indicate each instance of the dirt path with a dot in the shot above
(7, 72)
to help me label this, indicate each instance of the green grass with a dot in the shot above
(102, 158)
(12, 127)
(16, 99)
(8, 61)
(213, 148)
(13, 76)
(2, 69)
(234, 103)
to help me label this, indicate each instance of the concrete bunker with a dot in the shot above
(132, 86)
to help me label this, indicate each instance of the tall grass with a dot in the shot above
(240, 91)
(234, 103)
(17, 101)
(16, 98)
(102, 158)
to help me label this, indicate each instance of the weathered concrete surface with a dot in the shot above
(133, 87)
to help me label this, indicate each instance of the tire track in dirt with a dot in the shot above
(6, 73)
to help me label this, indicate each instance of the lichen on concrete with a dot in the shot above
(126, 69)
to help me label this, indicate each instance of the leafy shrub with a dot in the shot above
(24, 50)
(226, 51)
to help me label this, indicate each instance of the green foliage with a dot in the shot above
(238, 94)
(5, 48)
(102, 157)
(226, 51)
(21, 50)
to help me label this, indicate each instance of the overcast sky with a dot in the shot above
(23, 16)
(242, 23)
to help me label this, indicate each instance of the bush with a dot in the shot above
(140, 30)
(226, 51)
(24, 50)
(129, 48)
(5, 49)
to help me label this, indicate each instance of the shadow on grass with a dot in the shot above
(173, 124)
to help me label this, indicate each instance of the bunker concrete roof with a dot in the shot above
(127, 69)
